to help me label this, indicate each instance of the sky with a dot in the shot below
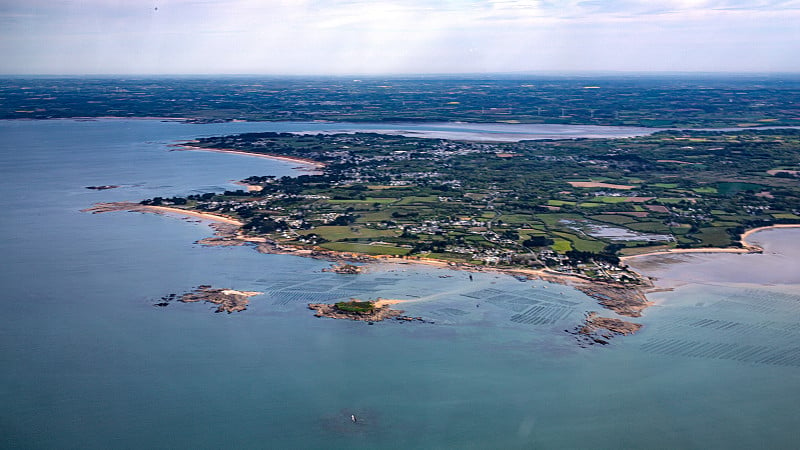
(346, 37)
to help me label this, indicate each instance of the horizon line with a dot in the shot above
(556, 73)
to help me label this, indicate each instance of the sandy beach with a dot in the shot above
(308, 163)
(748, 246)
(748, 233)
(130, 206)
(189, 213)
(674, 251)
(381, 302)
(624, 300)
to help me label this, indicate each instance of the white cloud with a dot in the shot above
(314, 36)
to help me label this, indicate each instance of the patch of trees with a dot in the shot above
(582, 256)
(537, 241)
(159, 201)
(261, 224)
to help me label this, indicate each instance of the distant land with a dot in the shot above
(566, 208)
(686, 101)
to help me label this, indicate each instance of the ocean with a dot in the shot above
(87, 361)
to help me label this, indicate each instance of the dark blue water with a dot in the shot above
(86, 361)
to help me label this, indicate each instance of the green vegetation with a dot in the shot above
(683, 102)
(355, 306)
(367, 249)
(459, 201)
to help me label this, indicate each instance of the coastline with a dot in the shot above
(136, 207)
(749, 247)
(750, 232)
(623, 299)
(310, 163)
(190, 213)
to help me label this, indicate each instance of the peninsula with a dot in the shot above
(568, 209)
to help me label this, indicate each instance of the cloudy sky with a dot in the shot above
(401, 36)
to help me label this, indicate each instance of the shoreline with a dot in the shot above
(748, 247)
(623, 299)
(752, 231)
(191, 213)
(312, 165)
(238, 239)
(136, 207)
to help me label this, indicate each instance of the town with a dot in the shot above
(569, 206)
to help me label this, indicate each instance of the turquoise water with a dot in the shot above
(86, 361)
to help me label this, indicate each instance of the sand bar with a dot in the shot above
(130, 206)
(314, 165)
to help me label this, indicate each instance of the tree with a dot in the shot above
(537, 241)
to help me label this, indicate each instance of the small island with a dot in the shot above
(227, 300)
(366, 311)
(344, 268)
(599, 330)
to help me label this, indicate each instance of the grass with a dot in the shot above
(649, 227)
(617, 219)
(518, 218)
(377, 216)
(356, 306)
(368, 200)
(726, 188)
(551, 220)
(611, 199)
(336, 233)
(367, 249)
(560, 203)
(581, 243)
(561, 245)
(380, 187)
(714, 237)
(727, 224)
(785, 216)
(413, 199)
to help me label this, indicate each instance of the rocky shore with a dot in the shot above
(227, 300)
(624, 300)
(599, 330)
(375, 313)
(344, 268)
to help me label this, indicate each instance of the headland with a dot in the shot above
(530, 209)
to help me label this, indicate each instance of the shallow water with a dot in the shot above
(86, 361)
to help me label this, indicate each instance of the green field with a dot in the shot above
(366, 248)
(714, 237)
(337, 233)
(611, 199)
(561, 245)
